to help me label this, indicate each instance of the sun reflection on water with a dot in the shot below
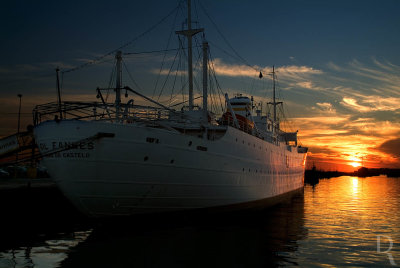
(355, 185)
(344, 216)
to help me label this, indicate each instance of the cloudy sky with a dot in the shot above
(337, 62)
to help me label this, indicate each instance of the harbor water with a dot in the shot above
(342, 221)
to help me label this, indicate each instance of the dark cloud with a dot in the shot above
(391, 147)
(323, 150)
(392, 116)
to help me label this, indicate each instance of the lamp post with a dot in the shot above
(19, 111)
(19, 122)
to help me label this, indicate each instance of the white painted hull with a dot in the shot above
(134, 173)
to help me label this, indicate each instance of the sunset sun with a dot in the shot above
(355, 161)
(355, 164)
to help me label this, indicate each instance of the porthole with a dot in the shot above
(146, 158)
(201, 148)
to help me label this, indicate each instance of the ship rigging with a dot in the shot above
(116, 158)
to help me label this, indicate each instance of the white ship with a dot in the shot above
(122, 159)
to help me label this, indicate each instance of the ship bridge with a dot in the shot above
(241, 105)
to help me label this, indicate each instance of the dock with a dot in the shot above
(32, 208)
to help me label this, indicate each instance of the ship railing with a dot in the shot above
(227, 120)
(98, 111)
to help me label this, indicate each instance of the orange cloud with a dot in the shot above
(337, 141)
(372, 103)
(234, 70)
(352, 103)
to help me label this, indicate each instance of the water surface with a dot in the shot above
(344, 221)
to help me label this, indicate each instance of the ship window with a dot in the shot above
(243, 169)
(236, 139)
(201, 148)
(243, 141)
(172, 161)
(190, 143)
(239, 103)
(152, 140)
(146, 158)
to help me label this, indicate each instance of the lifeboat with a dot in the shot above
(245, 124)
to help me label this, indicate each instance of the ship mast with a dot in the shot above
(58, 93)
(205, 79)
(189, 33)
(274, 102)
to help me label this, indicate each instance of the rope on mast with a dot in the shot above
(96, 60)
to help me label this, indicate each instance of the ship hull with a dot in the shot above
(139, 169)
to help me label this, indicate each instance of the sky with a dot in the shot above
(337, 63)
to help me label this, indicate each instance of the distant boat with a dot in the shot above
(122, 159)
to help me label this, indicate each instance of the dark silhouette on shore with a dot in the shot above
(368, 172)
(312, 176)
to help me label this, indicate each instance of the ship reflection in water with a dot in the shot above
(247, 239)
(335, 223)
